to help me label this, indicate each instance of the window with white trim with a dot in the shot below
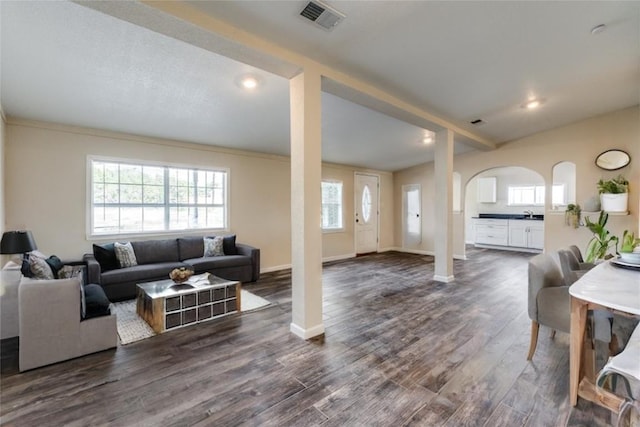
(558, 197)
(135, 198)
(533, 195)
(332, 205)
(530, 195)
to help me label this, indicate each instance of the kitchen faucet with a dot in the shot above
(530, 213)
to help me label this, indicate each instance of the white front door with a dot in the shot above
(411, 208)
(366, 220)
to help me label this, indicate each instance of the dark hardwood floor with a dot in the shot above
(399, 349)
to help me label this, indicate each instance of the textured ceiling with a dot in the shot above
(66, 63)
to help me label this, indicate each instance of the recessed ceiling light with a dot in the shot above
(532, 103)
(427, 139)
(598, 29)
(248, 81)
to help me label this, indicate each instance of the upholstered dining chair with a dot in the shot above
(549, 302)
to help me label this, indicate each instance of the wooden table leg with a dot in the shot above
(578, 326)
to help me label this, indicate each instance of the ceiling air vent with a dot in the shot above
(322, 15)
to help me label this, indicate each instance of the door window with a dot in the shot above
(366, 204)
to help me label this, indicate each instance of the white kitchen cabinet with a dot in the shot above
(536, 235)
(511, 234)
(526, 234)
(487, 189)
(518, 233)
(492, 232)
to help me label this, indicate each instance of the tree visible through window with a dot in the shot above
(331, 205)
(139, 198)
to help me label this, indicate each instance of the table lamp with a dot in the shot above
(18, 242)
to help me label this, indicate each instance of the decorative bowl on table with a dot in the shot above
(630, 257)
(180, 275)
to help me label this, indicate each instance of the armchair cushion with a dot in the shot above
(55, 264)
(96, 302)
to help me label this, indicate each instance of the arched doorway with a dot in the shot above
(504, 209)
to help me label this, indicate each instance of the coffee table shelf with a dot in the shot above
(165, 305)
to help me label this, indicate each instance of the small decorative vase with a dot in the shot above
(592, 204)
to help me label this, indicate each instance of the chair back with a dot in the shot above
(543, 273)
(569, 265)
(577, 253)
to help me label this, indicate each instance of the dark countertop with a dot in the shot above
(510, 216)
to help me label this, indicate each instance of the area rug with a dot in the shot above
(132, 328)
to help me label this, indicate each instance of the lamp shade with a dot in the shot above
(17, 242)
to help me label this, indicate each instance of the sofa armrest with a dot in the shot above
(254, 254)
(49, 317)
(93, 269)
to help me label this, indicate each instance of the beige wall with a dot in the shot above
(580, 143)
(46, 189)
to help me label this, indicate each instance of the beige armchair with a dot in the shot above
(51, 329)
(549, 302)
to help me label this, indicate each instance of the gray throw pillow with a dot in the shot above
(125, 254)
(213, 246)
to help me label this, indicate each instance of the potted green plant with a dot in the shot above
(614, 194)
(630, 248)
(602, 240)
(572, 215)
(629, 242)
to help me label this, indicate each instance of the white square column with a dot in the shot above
(444, 206)
(306, 205)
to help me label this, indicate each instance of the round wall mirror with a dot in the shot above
(613, 159)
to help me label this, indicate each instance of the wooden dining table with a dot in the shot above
(605, 287)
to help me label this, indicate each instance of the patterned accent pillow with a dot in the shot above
(69, 271)
(125, 254)
(213, 246)
(39, 268)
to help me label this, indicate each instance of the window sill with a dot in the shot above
(333, 230)
(152, 234)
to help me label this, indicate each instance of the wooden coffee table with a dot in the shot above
(166, 305)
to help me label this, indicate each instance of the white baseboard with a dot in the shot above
(306, 334)
(423, 252)
(444, 279)
(389, 249)
(353, 255)
(509, 248)
(326, 259)
(338, 257)
(275, 268)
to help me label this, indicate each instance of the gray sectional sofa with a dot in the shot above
(156, 258)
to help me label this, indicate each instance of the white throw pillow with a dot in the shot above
(125, 254)
(213, 246)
